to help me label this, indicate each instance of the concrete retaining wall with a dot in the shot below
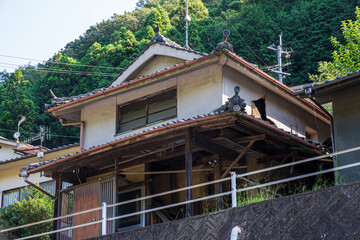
(331, 213)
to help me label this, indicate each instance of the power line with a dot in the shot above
(53, 135)
(70, 64)
(239, 33)
(64, 71)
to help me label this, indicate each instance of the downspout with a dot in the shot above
(25, 176)
(331, 122)
(235, 232)
(308, 92)
(78, 124)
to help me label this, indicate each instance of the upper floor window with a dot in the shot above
(146, 111)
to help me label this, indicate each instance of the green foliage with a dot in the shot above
(156, 18)
(254, 25)
(260, 195)
(35, 207)
(15, 103)
(346, 57)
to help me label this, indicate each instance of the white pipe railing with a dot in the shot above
(233, 192)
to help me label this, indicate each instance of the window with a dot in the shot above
(146, 111)
(133, 221)
(9, 197)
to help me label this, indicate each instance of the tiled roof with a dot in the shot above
(337, 81)
(62, 100)
(169, 124)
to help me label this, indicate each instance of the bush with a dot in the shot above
(35, 207)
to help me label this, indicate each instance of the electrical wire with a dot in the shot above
(70, 64)
(48, 70)
(242, 39)
(207, 35)
(33, 133)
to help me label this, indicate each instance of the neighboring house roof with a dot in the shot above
(29, 149)
(32, 154)
(322, 90)
(7, 141)
(61, 103)
(176, 125)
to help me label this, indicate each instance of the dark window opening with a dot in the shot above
(258, 110)
(311, 134)
(133, 221)
(147, 111)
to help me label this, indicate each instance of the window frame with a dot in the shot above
(148, 104)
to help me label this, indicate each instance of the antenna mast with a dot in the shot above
(278, 68)
(187, 20)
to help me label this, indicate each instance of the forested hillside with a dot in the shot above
(97, 56)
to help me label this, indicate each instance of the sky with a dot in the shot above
(37, 29)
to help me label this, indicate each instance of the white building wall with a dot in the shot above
(99, 118)
(284, 114)
(7, 152)
(200, 91)
(158, 63)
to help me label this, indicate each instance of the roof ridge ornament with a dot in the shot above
(158, 37)
(224, 45)
(234, 104)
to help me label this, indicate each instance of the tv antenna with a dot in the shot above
(17, 134)
(44, 133)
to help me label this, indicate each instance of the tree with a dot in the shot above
(156, 18)
(346, 57)
(35, 206)
(14, 104)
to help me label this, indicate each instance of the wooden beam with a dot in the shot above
(175, 171)
(238, 158)
(290, 155)
(156, 158)
(131, 183)
(249, 138)
(214, 126)
(203, 141)
(148, 192)
(188, 171)
(57, 204)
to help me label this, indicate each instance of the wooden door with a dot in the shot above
(86, 197)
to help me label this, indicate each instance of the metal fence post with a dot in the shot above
(104, 219)
(233, 189)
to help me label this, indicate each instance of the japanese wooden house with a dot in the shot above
(172, 119)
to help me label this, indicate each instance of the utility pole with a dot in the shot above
(278, 68)
(44, 132)
(187, 20)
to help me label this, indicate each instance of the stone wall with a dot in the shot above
(331, 213)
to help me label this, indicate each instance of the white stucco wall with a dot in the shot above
(155, 50)
(200, 91)
(158, 63)
(7, 152)
(99, 118)
(282, 112)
